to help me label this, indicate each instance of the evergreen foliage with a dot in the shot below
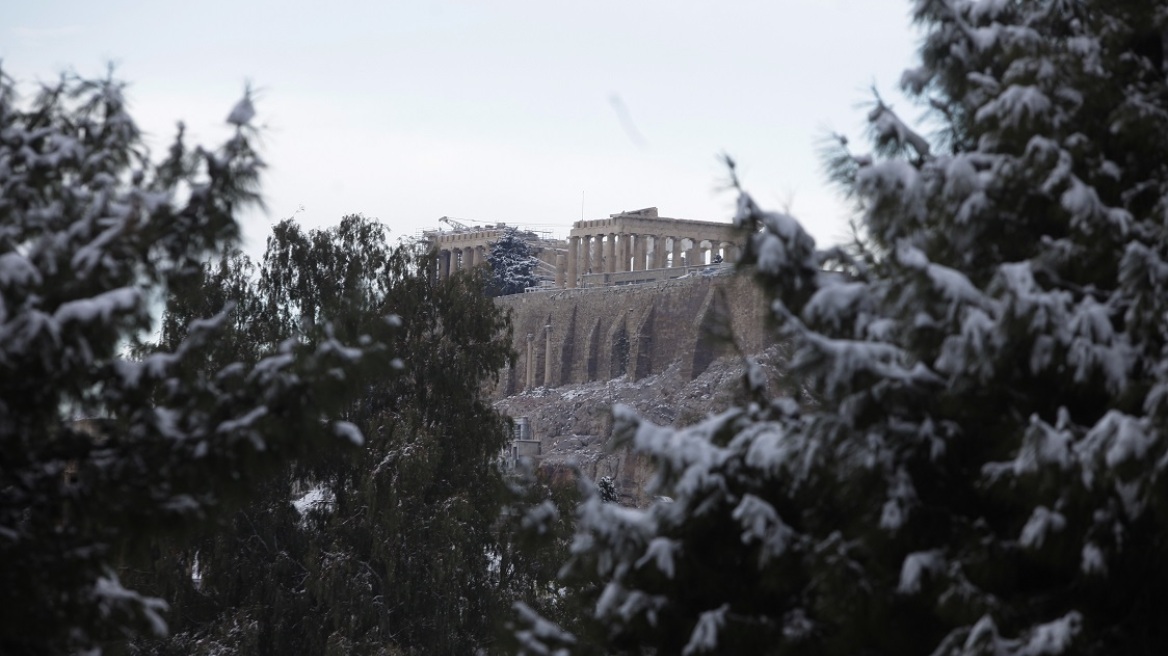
(983, 467)
(393, 549)
(512, 265)
(537, 531)
(99, 452)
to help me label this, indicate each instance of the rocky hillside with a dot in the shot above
(574, 422)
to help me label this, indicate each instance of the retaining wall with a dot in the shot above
(581, 335)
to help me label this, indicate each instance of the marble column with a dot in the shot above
(659, 252)
(573, 254)
(530, 383)
(676, 251)
(586, 262)
(607, 253)
(640, 252)
(547, 357)
(561, 265)
(695, 254)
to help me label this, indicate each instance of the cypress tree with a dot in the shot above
(512, 265)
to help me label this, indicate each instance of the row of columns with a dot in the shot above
(620, 252)
(453, 260)
(529, 374)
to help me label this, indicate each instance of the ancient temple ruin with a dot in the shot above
(625, 248)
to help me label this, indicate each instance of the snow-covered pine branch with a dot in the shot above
(982, 464)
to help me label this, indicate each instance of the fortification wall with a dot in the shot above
(581, 335)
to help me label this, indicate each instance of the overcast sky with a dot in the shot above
(533, 113)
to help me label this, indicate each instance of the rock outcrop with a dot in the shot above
(574, 422)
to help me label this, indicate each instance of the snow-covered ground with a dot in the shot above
(574, 422)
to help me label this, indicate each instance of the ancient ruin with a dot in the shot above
(625, 248)
(628, 295)
(616, 250)
(583, 335)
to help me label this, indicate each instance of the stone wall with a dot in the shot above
(582, 335)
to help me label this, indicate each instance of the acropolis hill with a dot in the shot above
(628, 295)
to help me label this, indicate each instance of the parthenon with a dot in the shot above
(600, 252)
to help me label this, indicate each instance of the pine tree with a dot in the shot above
(99, 452)
(512, 264)
(982, 467)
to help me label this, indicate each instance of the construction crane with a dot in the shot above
(454, 223)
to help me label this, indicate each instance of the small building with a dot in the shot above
(524, 447)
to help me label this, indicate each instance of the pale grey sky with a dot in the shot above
(496, 110)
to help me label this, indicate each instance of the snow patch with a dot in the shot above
(318, 497)
(705, 635)
(349, 431)
(914, 568)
